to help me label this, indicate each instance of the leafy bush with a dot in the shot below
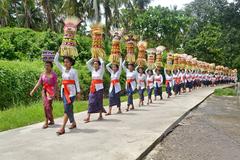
(17, 79)
(26, 44)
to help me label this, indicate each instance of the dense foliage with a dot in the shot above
(26, 44)
(17, 79)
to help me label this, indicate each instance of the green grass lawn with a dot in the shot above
(225, 92)
(19, 116)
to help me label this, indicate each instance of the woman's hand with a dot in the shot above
(31, 93)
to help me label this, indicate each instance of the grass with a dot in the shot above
(225, 92)
(19, 116)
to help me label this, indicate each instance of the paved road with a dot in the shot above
(212, 132)
(118, 137)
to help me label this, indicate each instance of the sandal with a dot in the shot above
(119, 112)
(60, 132)
(107, 114)
(127, 110)
(44, 126)
(100, 118)
(86, 120)
(73, 126)
(51, 123)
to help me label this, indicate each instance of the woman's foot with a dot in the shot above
(132, 108)
(51, 123)
(60, 131)
(86, 120)
(73, 126)
(45, 126)
(127, 110)
(119, 112)
(100, 118)
(108, 114)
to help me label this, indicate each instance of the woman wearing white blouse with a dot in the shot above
(169, 79)
(115, 87)
(95, 101)
(69, 89)
(131, 75)
(141, 78)
(189, 80)
(150, 84)
(175, 81)
(158, 80)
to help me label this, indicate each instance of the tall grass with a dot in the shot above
(225, 92)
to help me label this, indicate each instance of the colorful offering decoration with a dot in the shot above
(182, 61)
(130, 43)
(115, 51)
(48, 56)
(194, 64)
(212, 67)
(151, 58)
(159, 51)
(169, 64)
(97, 49)
(68, 46)
(141, 60)
(189, 62)
(176, 61)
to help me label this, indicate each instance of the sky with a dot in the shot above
(171, 3)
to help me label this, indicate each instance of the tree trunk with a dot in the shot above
(49, 16)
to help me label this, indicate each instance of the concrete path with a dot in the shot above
(118, 137)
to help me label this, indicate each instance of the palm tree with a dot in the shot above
(4, 12)
(141, 4)
(28, 6)
(47, 6)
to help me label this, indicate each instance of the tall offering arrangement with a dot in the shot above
(141, 60)
(115, 50)
(169, 64)
(159, 51)
(97, 49)
(130, 40)
(68, 46)
(151, 58)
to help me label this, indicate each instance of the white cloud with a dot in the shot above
(170, 3)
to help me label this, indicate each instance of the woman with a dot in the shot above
(69, 90)
(130, 83)
(115, 87)
(175, 81)
(95, 100)
(141, 78)
(183, 80)
(158, 80)
(189, 80)
(48, 80)
(149, 82)
(169, 79)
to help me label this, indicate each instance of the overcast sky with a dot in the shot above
(171, 3)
